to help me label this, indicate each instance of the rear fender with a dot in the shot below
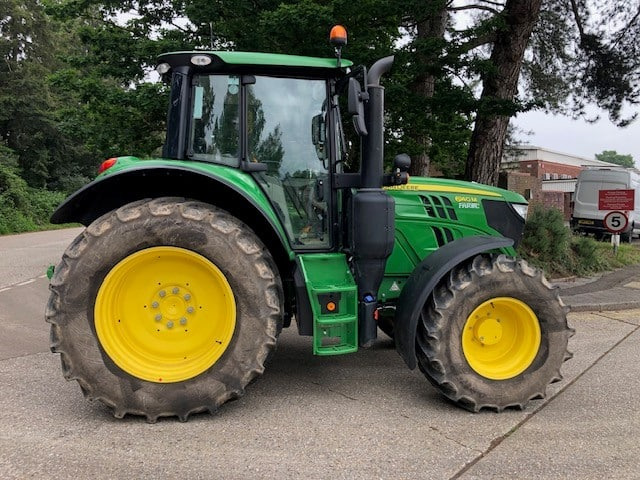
(245, 202)
(424, 279)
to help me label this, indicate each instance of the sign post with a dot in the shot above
(616, 222)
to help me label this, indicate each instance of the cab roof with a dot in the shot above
(255, 62)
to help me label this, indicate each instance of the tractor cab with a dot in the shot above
(273, 116)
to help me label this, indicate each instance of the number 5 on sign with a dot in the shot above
(616, 222)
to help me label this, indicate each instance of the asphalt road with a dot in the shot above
(356, 416)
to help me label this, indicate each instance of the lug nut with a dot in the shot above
(155, 305)
(175, 290)
(162, 293)
(187, 297)
(183, 321)
(169, 324)
(190, 309)
(158, 317)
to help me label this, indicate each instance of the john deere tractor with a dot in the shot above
(173, 297)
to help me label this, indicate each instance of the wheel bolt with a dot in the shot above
(183, 321)
(158, 317)
(162, 293)
(190, 309)
(187, 297)
(169, 324)
(175, 290)
(155, 305)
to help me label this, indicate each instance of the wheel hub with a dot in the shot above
(488, 331)
(176, 307)
(501, 338)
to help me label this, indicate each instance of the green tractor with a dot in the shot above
(172, 299)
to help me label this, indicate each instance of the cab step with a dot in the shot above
(334, 302)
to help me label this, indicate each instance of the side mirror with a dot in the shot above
(399, 175)
(318, 135)
(356, 100)
(402, 162)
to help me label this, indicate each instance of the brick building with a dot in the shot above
(544, 176)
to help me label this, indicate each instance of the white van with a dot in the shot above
(586, 217)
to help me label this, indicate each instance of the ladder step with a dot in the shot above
(333, 295)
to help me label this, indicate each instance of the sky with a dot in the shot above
(578, 137)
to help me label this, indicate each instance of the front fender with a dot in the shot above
(424, 279)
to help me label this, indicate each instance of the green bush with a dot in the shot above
(587, 260)
(546, 240)
(22, 208)
(548, 244)
(43, 203)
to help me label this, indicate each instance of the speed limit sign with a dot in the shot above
(616, 221)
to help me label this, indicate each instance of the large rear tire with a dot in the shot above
(165, 307)
(493, 335)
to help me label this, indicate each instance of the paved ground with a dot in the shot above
(25, 257)
(614, 291)
(356, 416)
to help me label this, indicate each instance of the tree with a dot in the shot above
(612, 156)
(499, 88)
(421, 106)
(578, 52)
(26, 125)
(522, 57)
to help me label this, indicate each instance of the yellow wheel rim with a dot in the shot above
(501, 338)
(165, 314)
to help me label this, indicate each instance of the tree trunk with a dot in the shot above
(500, 85)
(431, 27)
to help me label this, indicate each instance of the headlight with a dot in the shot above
(163, 68)
(201, 60)
(521, 209)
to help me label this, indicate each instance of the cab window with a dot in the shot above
(286, 130)
(215, 114)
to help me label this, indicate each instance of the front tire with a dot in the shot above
(493, 334)
(165, 307)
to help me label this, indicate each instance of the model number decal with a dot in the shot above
(466, 199)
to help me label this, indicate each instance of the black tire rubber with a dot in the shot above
(195, 226)
(439, 344)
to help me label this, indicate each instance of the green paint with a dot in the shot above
(261, 59)
(327, 274)
(243, 182)
(428, 207)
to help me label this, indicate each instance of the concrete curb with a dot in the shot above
(601, 307)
